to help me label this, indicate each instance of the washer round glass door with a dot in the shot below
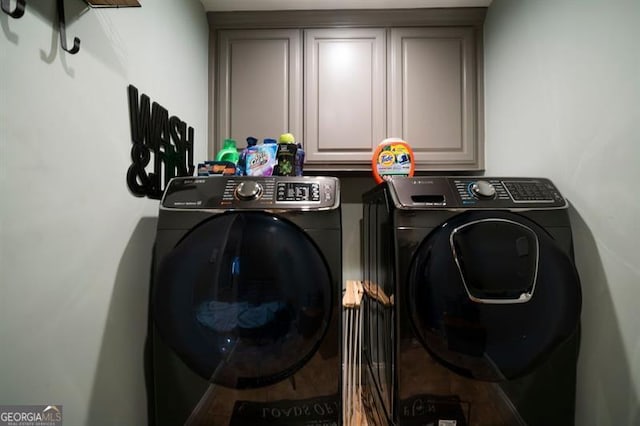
(491, 295)
(244, 299)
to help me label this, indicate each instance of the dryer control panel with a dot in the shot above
(252, 193)
(470, 192)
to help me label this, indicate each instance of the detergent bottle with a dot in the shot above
(286, 155)
(299, 160)
(229, 152)
(392, 157)
(242, 161)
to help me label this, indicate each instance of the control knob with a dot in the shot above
(248, 190)
(483, 189)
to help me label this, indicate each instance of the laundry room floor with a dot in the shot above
(487, 404)
(217, 405)
(485, 401)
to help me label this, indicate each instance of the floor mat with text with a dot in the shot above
(322, 411)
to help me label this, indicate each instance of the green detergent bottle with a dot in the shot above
(229, 152)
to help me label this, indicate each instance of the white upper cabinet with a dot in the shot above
(343, 81)
(344, 88)
(259, 84)
(433, 95)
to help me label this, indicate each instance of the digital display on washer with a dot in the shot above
(297, 191)
(528, 191)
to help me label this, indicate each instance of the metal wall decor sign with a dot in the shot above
(159, 142)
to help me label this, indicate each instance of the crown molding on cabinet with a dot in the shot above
(464, 16)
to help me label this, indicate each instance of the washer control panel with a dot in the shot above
(525, 191)
(476, 192)
(482, 189)
(247, 192)
(298, 191)
(517, 191)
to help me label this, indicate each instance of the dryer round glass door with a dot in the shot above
(244, 299)
(492, 295)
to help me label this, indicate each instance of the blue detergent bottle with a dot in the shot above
(299, 162)
(242, 161)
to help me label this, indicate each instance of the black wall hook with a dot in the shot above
(63, 33)
(17, 12)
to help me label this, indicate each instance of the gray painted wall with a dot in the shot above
(562, 98)
(75, 245)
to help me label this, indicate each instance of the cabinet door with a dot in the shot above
(433, 97)
(345, 111)
(259, 84)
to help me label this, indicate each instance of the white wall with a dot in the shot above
(562, 82)
(75, 245)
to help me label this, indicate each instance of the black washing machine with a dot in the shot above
(481, 320)
(245, 302)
